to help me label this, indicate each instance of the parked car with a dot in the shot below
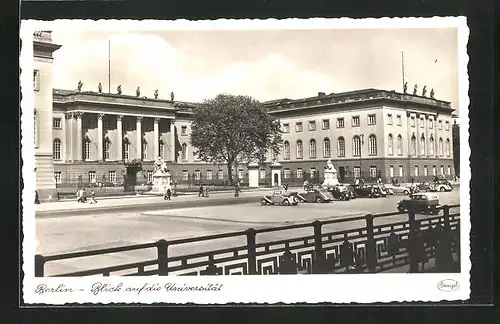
(425, 203)
(317, 195)
(280, 198)
(340, 192)
(367, 191)
(399, 189)
(441, 185)
(387, 190)
(425, 186)
(351, 190)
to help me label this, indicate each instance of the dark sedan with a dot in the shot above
(317, 195)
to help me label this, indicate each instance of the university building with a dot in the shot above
(86, 136)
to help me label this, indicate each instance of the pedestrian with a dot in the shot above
(84, 196)
(285, 186)
(174, 193)
(207, 189)
(92, 197)
(306, 185)
(169, 193)
(201, 191)
(237, 189)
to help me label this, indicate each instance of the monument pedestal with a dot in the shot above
(160, 181)
(331, 177)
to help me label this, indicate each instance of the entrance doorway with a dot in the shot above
(341, 174)
(275, 180)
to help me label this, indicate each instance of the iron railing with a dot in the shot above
(371, 248)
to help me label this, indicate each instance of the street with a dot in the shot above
(104, 230)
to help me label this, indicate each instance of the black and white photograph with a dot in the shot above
(317, 160)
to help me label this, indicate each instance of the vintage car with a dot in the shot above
(424, 203)
(425, 186)
(317, 195)
(367, 191)
(341, 192)
(385, 190)
(441, 185)
(399, 189)
(280, 198)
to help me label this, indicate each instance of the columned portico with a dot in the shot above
(139, 138)
(119, 137)
(156, 139)
(100, 143)
(79, 139)
(172, 140)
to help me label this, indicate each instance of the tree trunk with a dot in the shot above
(230, 172)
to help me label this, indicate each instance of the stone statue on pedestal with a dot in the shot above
(432, 93)
(415, 88)
(331, 179)
(99, 87)
(79, 86)
(405, 87)
(161, 176)
(159, 166)
(119, 89)
(156, 94)
(424, 91)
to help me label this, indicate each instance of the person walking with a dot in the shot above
(174, 192)
(207, 189)
(201, 192)
(237, 189)
(168, 194)
(92, 197)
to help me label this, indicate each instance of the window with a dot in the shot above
(413, 144)
(426, 172)
(107, 145)
(340, 122)
(286, 128)
(400, 145)
(240, 173)
(355, 121)
(220, 174)
(161, 149)
(300, 173)
(56, 123)
(391, 171)
(373, 171)
(149, 176)
(431, 146)
(372, 144)
(400, 170)
(440, 147)
(421, 123)
(92, 177)
(86, 150)
(126, 150)
(341, 147)
(184, 152)
(442, 170)
(185, 175)
(433, 170)
(286, 150)
(262, 174)
(209, 174)
(286, 173)
(197, 174)
(300, 150)
(372, 120)
(312, 149)
(447, 125)
(422, 145)
(36, 80)
(356, 172)
(312, 125)
(326, 124)
(399, 120)
(412, 121)
(390, 144)
(312, 173)
(416, 171)
(449, 170)
(112, 176)
(389, 119)
(144, 150)
(431, 123)
(440, 124)
(298, 127)
(448, 147)
(356, 146)
(56, 149)
(326, 148)
(58, 177)
(184, 130)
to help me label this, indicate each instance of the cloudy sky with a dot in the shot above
(264, 64)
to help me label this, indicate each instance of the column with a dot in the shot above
(172, 140)
(119, 137)
(139, 138)
(426, 125)
(436, 138)
(100, 137)
(156, 140)
(79, 140)
(68, 135)
(417, 135)
(409, 133)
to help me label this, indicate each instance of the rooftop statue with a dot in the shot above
(138, 92)
(80, 85)
(99, 87)
(424, 91)
(415, 88)
(405, 87)
(119, 89)
(156, 94)
(172, 96)
(432, 93)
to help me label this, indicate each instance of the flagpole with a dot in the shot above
(109, 66)
(403, 68)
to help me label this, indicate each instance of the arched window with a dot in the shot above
(356, 146)
(144, 150)
(390, 143)
(56, 149)
(300, 150)
(126, 148)
(372, 144)
(400, 145)
(312, 149)
(431, 146)
(107, 148)
(448, 147)
(286, 150)
(35, 125)
(161, 149)
(184, 152)
(440, 146)
(422, 145)
(326, 148)
(341, 147)
(86, 149)
(413, 145)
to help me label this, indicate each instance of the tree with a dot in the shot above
(231, 129)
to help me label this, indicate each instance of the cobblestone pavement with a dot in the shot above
(90, 232)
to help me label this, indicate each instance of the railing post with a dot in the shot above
(39, 265)
(252, 252)
(412, 248)
(162, 247)
(445, 244)
(371, 249)
(319, 260)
